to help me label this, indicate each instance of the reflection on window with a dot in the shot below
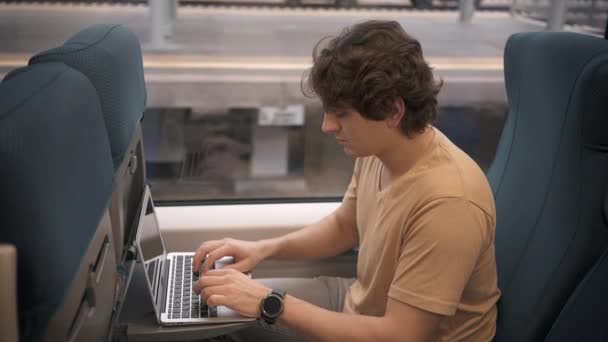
(237, 153)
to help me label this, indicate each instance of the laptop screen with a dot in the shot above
(151, 249)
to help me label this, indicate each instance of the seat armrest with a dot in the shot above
(8, 293)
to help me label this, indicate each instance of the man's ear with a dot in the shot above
(399, 111)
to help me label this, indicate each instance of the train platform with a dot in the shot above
(221, 52)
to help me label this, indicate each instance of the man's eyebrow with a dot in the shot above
(335, 110)
(327, 108)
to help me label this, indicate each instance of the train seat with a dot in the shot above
(56, 179)
(549, 177)
(110, 56)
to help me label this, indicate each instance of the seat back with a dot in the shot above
(549, 177)
(56, 180)
(110, 56)
(584, 316)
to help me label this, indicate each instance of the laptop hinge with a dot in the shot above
(165, 284)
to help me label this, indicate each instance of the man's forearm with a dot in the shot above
(323, 239)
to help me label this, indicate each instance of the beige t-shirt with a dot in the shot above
(427, 240)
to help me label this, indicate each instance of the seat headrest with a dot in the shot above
(110, 56)
(577, 79)
(18, 91)
(13, 72)
(56, 179)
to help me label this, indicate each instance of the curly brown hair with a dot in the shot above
(369, 66)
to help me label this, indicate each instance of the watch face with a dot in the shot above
(272, 305)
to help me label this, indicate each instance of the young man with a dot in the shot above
(420, 210)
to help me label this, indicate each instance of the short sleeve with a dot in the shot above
(349, 201)
(441, 246)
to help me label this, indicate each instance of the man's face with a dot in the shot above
(359, 136)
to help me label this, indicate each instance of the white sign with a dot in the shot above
(292, 115)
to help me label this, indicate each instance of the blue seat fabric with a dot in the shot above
(56, 180)
(110, 56)
(549, 177)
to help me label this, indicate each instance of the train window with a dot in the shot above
(242, 153)
(231, 154)
(226, 119)
(269, 146)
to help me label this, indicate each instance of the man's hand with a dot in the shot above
(246, 254)
(233, 289)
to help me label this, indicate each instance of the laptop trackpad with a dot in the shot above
(221, 262)
(223, 311)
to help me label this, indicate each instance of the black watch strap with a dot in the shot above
(280, 293)
(274, 295)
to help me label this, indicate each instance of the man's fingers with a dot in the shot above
(217, 273)
(208, 281)
(217, 300)
(213, 256)
(212, 278)
(207, 292)
(239, 266)
(202, 252)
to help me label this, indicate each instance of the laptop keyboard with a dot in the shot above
(183, 301)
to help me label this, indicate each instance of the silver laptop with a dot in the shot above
(170, 277)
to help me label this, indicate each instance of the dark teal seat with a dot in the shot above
(110, 56)
(549, 178)
(56, 180)
(584, 316)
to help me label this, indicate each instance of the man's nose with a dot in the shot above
(330, 124)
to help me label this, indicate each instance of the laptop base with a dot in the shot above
(137, 321)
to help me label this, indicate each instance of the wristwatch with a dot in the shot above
(271, 306)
